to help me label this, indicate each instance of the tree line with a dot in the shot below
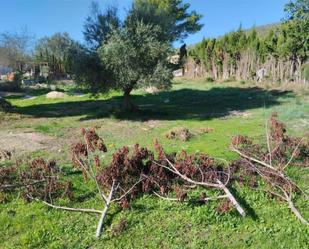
(283, 53)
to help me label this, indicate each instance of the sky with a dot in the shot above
(46, 17)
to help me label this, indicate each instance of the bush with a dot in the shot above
(18, 76)
(9, 86)
(13, 85)
(5, 105)
(231, 79)
(209, 79)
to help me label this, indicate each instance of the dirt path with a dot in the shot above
(25, 142)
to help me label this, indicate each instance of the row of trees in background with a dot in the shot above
(54, 51)
(281, 55)
(14, 48)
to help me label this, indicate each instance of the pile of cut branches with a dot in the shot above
(131, 174)
(271, 161)
(37, 180)
(169, 176)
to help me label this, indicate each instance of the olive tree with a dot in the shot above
(133, 53)
(98, 25)
(135, 57)
(174, 17)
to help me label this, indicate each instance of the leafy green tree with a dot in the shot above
(54, 50)
(85, 67)
(136, 57)
(172, 16)
(297, 9)
(296, 33)
(283, 52)
(99, 24)
(133, 53)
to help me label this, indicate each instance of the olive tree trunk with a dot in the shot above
(128, 105)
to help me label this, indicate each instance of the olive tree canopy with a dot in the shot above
(136, 58)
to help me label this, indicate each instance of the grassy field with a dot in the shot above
(227, 108)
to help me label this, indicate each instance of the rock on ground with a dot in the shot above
(55, 95)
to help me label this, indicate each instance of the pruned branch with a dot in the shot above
(203, 199)
(219, 185)
(13, 186)
(108, 202)
(252, 158)
(232, 199)
(83, 210)
(184, 177)
(127, 192)
(273, 172)
(293, 154)
(295, 211)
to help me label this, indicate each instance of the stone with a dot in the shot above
(55, 95)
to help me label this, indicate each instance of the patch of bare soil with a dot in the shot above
(151, 124)
(179, 133)
(25, 142)
(205, 130)
(239, 114)
(236, 113)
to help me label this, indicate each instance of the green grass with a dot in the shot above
(154, 223)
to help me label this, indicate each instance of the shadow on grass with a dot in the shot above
(173, 105)
(245, 205)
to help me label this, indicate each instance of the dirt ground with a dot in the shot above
(24, 142)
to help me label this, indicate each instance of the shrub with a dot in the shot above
(10, 86)
(5, 105)
(231, 79)
(209, 79)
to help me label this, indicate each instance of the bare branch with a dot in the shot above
(220, 185)
(127, 192)
(108, 202)
(161, 165)
(295, 211)
(252, 159)
(204, 199)
(228, 167)
(293, 154)
(92, 176)
(232, 198)
(12, 186)
(206, 184)
(84, 210)
(268, 144)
